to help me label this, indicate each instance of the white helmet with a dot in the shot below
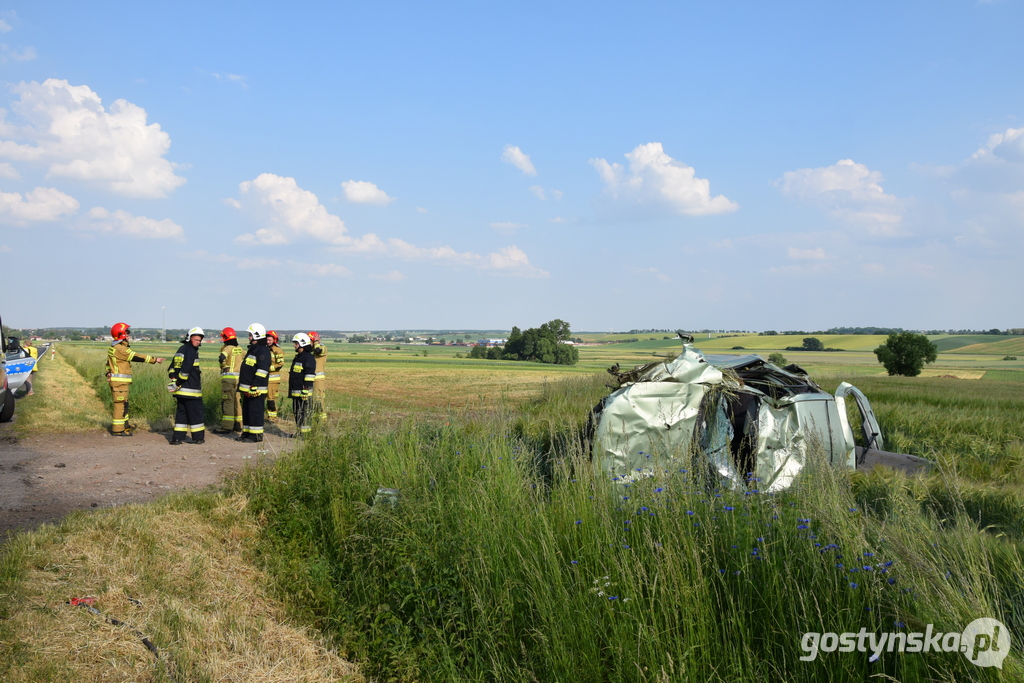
(303, 339)
(257, 331)
(196, 330)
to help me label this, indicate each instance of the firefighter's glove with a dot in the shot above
(172, 387)
(253, 393)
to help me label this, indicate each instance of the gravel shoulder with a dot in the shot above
(44, 477)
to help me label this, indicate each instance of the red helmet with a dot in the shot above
(120, 331)
(228, 333)
(272, 336)
(314, 336)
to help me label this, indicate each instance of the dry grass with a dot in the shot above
(949, 372)
(436, 387)
(63, 402)
(174, 571)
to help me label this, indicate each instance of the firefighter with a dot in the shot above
(252, 384)
(300, 382)
(320, 386)
(276, 363)
(231, 355)
(187, 387)
(119, 375)
(34, 352)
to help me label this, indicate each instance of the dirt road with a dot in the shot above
(43, 478)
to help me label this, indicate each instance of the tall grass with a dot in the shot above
(148, 398)
(490, 568)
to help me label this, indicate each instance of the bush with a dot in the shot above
(777, 359)
(1009, 357)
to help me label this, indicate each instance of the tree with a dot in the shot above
(813, 344)
(542, 344)
(905, 353)
(777, 358)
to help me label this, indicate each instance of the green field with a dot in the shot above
(508, 558)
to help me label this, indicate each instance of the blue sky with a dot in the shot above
(740, 165)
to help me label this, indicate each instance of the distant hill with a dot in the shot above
(1009, 346)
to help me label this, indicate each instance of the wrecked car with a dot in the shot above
(746, 417)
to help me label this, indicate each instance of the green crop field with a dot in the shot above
(945, 343)
(1011, 347)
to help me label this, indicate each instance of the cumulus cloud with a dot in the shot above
(8, 172)
(848, 191)
(363, 192)
(290, 213)
(420, 209)
(657, 180)
(67, 128)
(515, 156)
(41, 204)
(123, 223)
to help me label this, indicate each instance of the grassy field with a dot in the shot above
(505, 557)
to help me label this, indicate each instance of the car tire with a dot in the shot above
(7, 412)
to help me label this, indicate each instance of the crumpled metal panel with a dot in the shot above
(644, 424)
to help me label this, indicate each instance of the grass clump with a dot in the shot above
(177, 572)
(489, 568)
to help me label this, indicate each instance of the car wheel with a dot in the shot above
(7, 412)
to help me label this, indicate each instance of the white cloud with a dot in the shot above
(41, 204)
(806, 254)
(390, 276)
(11, 54)
(232, 78)
(363, 192)
(67, 128)
(1008, 145)
(123, 223)
(508, 228)
(8, 172)
(656, 179)
(542, 194)
(291, 213)
(556, 219)
(320, 269)
(515, 156)
(4, 249)
(260, 263)
(420, 209)
(4, 26)
(848, 191)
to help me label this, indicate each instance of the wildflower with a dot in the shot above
(887, 564)
(805, 521)
(761, 539)
(728, 508)
(802, 526)
(867, 567)
(658, 490)
(899, 624)
(579, 521)
(689, 512)
(613, 597)
(853, 585)
(721, 571)
(869, 554)
(644, 509)
(575, 562)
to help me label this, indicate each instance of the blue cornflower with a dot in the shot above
(575, 562)
(658, 490)
(853, 585)
(728, 508)
(721, 571)
(867, 567)
(689, 512)
(805, 521)
(892, 582)
(761, 539)
(613, 597)
(579, 521)
(801, 526)
(899, 624)
(869, 554)
(887, 564)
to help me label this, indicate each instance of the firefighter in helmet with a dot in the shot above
(119, 375)
(276, 363)
(320, 385)
(252, 384)
(187, 387)
(231, 355)
(300, 381)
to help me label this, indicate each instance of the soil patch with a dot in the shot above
(44, 477)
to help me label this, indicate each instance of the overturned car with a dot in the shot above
(747, 418)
